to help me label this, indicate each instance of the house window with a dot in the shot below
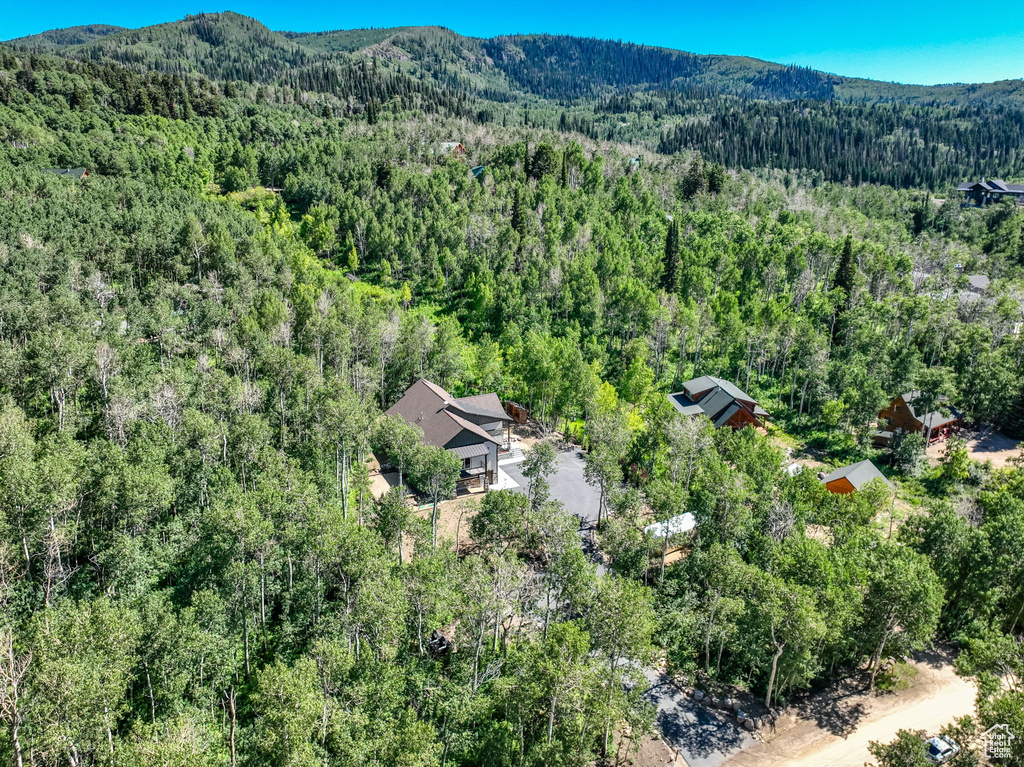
(467, 463)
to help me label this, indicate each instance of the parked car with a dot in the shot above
(940, 749)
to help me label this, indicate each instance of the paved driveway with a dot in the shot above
(567, 484)
(705, 738)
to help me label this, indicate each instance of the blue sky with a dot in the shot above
(909, 42)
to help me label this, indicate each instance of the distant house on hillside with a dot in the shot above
(941, 287)
(78, 173)
(721, 401)
(852, 478)
(452, 147)
(992, 190)
(903, 414)
(472, 428)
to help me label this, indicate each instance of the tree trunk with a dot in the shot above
(877, 661)
(775, 664)
(231, 731)
(433, 522)
(711, 627)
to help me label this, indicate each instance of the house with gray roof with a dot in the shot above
(853, 478)
(979, 193)
(724, 403)
(472, 428)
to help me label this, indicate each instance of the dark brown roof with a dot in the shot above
(430, 407)
(485, 402)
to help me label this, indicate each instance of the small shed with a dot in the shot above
(517, 412)
(852, 478)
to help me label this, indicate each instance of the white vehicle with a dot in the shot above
(940, 749)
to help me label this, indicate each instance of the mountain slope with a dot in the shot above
(736, 111)
(558, 67)
(61, 38)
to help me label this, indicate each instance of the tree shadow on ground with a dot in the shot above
(699, 739)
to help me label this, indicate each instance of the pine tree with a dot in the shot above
(846, 271)
(670, 263)
(694, 182)
(845, 280)
(518, 213)
(81, 98)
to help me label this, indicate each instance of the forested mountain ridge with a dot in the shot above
(737, 111)
(59, 38)
(540, 64)
(199, 338)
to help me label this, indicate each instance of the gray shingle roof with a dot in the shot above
(720, 401)
(715, 402)
(991, 185)
(979, 281)
(857, 474)
(681, 402)
(934, 418)
(726, 414)
(76, 172)
(703, 383)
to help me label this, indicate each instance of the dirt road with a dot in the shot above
(836, 733)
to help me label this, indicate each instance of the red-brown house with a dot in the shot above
(721, 401)
(904, 414)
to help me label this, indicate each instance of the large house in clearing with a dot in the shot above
(904, 414)
(992, 190)
(721, 401)
(472, 428)
(852, 478)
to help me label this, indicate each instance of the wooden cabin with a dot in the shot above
(903, 414)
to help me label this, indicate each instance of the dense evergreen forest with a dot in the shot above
(198, 340)
(741, 112)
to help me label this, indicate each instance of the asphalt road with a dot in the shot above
(567, 485)
(705, 738)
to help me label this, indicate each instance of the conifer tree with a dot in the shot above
(670, 263)
(518, 213)
(845, 280)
